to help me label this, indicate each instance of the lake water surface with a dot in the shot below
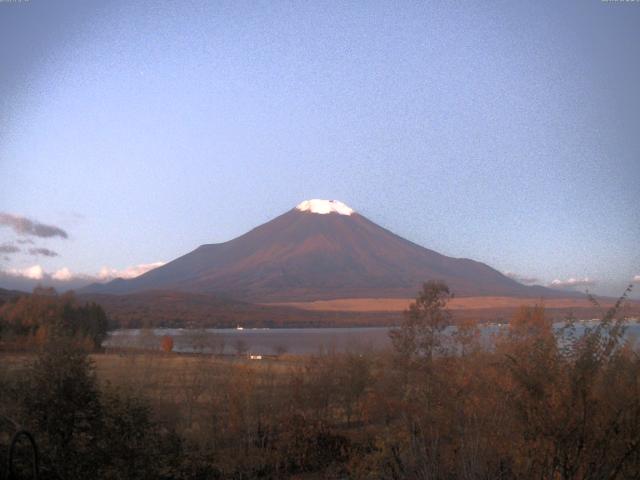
(298, 341)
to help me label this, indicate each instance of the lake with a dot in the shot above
(297, 341)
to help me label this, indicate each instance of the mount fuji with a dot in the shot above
(321, 249)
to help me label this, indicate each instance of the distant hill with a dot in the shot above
(320, 250)
(183, 309)
(9, 294)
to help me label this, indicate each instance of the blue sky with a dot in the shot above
(506, 132)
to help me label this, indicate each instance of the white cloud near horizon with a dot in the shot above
(636, 279)
(64, 274)
(107, 273)
(573, 282)
(34, 272)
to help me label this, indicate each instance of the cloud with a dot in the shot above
(34, 273)
(64, 275)
(107, 273)
(31, 276)
(636, 279)
(25, 226)
(522, 278)
(24, 241)
(43, 251)
(8, 248)
(573, 282)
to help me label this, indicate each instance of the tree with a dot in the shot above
(354, 376)
(133, 445)
(467, 336)
(45, 314)
(166, 344)
(424, 322)
(574, 398)
(194, 381)
(62, 403)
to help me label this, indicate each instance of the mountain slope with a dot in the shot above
(320, 250)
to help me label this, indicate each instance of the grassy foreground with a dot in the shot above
(435, 407)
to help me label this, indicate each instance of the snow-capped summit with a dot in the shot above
(324, 206)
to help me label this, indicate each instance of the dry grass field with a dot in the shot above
(184, 390)
(461, 303)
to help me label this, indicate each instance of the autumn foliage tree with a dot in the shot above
(45, 314)
(61, 404)
(83, 430)
(575, 397)
(166, 344)
(421, 332)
